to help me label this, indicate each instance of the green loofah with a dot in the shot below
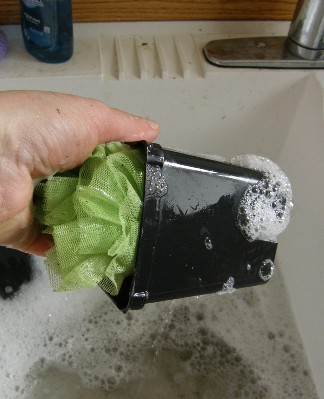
(94, 216)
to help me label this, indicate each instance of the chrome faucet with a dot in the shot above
(306, 33)
(302, 48)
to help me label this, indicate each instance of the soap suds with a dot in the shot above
(78, 344)
(264, 210)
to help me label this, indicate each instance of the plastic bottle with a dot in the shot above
(3, 44)
(47, 29)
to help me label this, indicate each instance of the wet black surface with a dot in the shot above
(190, 244)
(15, 269)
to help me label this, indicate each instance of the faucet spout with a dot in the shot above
(306, 33)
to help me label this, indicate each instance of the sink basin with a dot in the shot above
(262, 342)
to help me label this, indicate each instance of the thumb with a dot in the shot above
(65, 129)
(116, 125)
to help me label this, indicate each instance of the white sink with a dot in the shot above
(262, 342)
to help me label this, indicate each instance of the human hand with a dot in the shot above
(42, 133)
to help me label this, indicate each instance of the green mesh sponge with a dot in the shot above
(94, 215)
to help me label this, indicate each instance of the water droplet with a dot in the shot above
(208, 243)
(228, 287)
(266, 270)
(8, 289)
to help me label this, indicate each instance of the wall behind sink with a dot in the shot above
(163, 10)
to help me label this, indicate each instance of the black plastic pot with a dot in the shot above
(190, 244)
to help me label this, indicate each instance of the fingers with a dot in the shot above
(17, 226)
(40, 245)
(110, 124)
(53, 132)
(42, 133)
(116, 125)
(19, 231)
(23, 233)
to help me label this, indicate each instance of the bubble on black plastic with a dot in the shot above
(266, 270)
(264, 209)
(228, 287)
(156, 184)
(8, 289)
(208, 243)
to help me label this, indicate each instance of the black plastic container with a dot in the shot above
(190, 243)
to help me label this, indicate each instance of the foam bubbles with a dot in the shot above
(208, 243)
(266, 270)
(264, 210)
(78, 344)
(156, 184)
(228, 287)
(240, 346)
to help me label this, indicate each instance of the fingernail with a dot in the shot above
(153, 124)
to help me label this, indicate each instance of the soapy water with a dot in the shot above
(264, 210)
(79, 345)
(158, 342)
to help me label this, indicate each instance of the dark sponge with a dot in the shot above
(15, 269)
